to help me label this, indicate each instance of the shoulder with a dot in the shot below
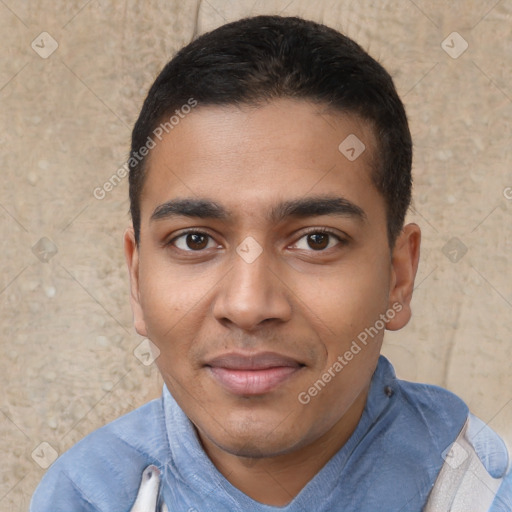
(474, 471)
(102, 471)
(412, 425)
(431, 404)
(423, 423)
(503, 500)
(425, 415)
(437, 410)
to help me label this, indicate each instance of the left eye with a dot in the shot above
(317, 241)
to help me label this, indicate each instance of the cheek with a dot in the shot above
(170, 306)
(348, 300)
(168, 300)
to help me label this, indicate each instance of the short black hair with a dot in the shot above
(257, 59)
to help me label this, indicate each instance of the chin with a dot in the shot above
(254, 443)
(258, 448)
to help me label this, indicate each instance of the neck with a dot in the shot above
(276, 480)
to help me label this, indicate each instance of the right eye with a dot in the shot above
(193, 241)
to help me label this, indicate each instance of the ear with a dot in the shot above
(404, 264)
(131, 253)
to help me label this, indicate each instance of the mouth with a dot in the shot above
(255, 374)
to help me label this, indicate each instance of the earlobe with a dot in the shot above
(404, 263)
(131, 253)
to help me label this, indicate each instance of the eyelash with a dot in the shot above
(324, 231)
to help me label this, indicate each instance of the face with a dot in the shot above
(263, 258)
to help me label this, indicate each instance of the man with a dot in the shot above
(269, 181)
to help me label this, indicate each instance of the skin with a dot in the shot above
(300, 298)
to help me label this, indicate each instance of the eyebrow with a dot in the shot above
(296, 208)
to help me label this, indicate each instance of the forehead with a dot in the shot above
(248, 157)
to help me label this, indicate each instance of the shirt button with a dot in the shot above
(388, 391)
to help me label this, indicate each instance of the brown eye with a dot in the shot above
(193, 241)
(196, 241)
(318, 241)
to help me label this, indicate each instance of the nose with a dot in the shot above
(252, 294)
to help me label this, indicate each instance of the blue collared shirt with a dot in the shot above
(389, 464)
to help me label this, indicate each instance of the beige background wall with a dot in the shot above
(67, 362)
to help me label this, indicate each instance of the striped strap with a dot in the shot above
(463, 484)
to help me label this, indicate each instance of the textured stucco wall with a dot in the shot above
(67, 362)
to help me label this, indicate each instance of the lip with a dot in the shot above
(252, 374)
